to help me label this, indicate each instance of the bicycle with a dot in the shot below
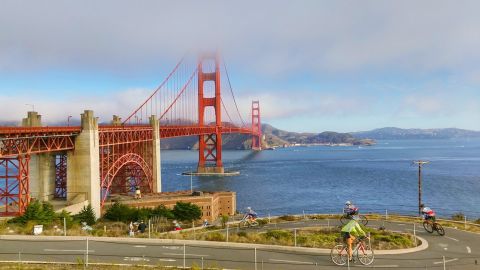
(346, 218)
(431, 226)
(247, 222)
(363, 251)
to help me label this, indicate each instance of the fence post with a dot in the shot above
(269, 218)
(328, 224)
(86, 255)
(193, 227)
(386, 214)
(295, 236)
(444, 263)
(255, 258)
(304, 217)
(465, 222)
(227, 232)
(202, 263)
(149, 228)
(184, 255)
(414, 234)
(64, 226)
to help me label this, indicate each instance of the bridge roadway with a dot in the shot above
(461, 250)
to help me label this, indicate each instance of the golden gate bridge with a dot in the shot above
(91, 161)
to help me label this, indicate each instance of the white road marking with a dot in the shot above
(140, 246)
(451, 238)
(181, 254)
(172, 247)
(379, 266)
(285, 261)
(447, 261)
(469, 250)
(70, 250)
(167, 260)
(136, 259)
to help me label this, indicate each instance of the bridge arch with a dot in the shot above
(132, 160)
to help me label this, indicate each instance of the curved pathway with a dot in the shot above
(461, 250)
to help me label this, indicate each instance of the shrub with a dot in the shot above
(277, 234)
(224, 220)
(287, 218)
(477, 221)
(118, 212)
(262, 221)
(186, 211)
(68, 218)
(458, 216)
(125, 213)
(39, 212)
(162, 211)
(86, 215)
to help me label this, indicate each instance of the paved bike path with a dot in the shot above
(460, 249)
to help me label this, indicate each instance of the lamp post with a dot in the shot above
(68, 120)
(420, 164)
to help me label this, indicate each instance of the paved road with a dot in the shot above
(461, 249)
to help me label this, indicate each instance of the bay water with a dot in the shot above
(319, 179)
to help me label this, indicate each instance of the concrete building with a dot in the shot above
(213, 204)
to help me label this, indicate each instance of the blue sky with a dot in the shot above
(314, 66)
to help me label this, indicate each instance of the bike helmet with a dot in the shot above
(348, 203)
(249, 208)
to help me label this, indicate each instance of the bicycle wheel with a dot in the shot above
(363, 220)
(243, 224)
(344, 219)
(365, 254)
(339, 254)
(428, 226)
(254, 223)
(439, 229)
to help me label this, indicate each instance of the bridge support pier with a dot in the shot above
(83, 167)
(156, 156)
(42, 166)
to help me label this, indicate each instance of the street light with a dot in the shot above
(33, 106)
(420, 163)
(68, 120)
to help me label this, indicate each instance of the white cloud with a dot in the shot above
(268, 37)
(57, 109)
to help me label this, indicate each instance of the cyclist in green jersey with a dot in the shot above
(349, 231)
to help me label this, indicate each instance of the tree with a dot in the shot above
(36, 211)
(86, 215)
(186, 211)
(119, 212)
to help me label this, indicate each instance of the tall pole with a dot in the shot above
(420, 163)
(68, 120)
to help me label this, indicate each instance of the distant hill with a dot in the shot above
(273, 137)
(277, 137)
(392, 133)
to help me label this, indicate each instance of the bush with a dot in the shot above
(458, 216)
(477, 221)
(162, 211)
(277, 234)
(68, 218)
(118, 212)
(86, 215)
(287, 218)
(41, 213)
(187, 211)
(262, 221)
(125, 213)
(224, 220)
